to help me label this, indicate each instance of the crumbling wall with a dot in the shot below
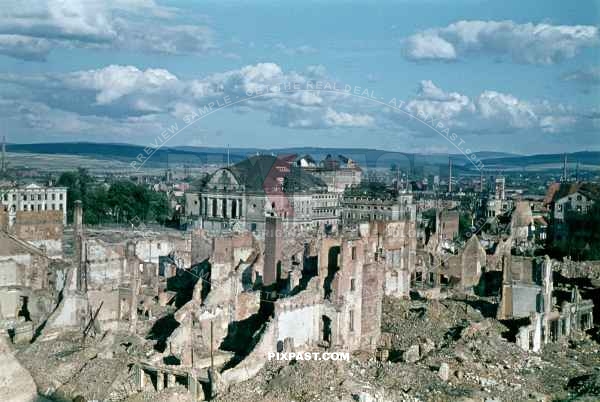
(298, 317)
(105, 265)
(4, 219)
(150, 249)
(371, 305)
(473, 259)
(201, 246)
(256, 360)
(42, 229)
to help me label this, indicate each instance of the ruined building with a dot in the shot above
(29, 283)
(286, 293)
(113, 276)
(540, 312)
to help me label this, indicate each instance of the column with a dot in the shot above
(193, 386)
(171, 380)
(141, 377)
(160, 380)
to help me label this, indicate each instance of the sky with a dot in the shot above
(511, 76)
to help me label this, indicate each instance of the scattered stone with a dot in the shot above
(411, 355)
(444, 371)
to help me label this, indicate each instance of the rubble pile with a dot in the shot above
(174, 394)
(64, 368)
(16, 384)
(437, 351)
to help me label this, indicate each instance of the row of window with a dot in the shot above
(368, 207)
(32, 197)
(25, 207)
(368, 217)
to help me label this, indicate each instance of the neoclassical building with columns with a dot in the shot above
(241, 195)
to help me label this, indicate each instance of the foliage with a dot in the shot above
(370, 189)
(116, 202)
(464, 224)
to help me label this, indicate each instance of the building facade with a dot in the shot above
(33, 198)
(242, 195)
(571, 198)
(338, 173)
(356, 209)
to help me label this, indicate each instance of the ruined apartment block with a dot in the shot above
(279, 294)
(540, 312)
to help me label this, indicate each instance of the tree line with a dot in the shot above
(119, 201)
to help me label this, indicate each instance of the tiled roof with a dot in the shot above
(262, 171)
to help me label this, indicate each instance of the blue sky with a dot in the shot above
(515, 76)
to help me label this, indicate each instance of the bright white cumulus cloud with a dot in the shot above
(525, 43)
(114, 82)
(492, 112)
(123, 93)
(118, 91)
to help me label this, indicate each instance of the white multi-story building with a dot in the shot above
(33, 197)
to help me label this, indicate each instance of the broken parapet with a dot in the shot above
(71, 312)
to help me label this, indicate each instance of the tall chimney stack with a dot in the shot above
(449, 175)
(78, 217)
(481, 181)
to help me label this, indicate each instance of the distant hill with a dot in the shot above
(121, 152)
(587, 158)
(193, 155)
(371, 158)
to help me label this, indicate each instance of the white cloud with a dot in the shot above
(126, 92)
(343, 119)
(40, 26)
(24, 47)
(525, 43)
(506, 108)
(44, 122)
(427, 46)
(115, 82)
(491, 112)
(433, 101)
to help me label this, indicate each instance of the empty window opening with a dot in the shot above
(326, 330)
(24, 311)
(332, 268)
